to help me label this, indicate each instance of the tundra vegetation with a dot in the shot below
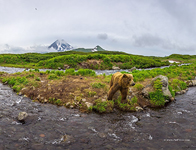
(85, 90)
(77, 60)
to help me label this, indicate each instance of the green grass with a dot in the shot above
(102, 107)
(98, 85)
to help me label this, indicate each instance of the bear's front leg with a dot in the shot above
(112, 91)
(124, 95)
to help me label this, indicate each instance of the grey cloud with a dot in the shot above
(166, 24)
(103, 36)
(148, 40)
(19, 50)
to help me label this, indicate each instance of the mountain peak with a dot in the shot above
(97, 48)
(61, 45)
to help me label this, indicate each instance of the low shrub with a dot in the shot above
(138, 86)
(53, 76)
(98, 85)
(86, 72)
(101, 107)
(129, 106)
(157, 98)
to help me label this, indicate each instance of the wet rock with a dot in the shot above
(84, 141)
(22, 116)
(38, 97)
(68, 104)
(115, 68)
(178, 93)
(138, 108)
(103, 100)
(59, 68)
(71, 106)
(189, 83)
(102, 135)
(45, 100)
(146, 90)
(88, 104)
(5, 83)
(108, 146)
(172, 98)
(20, 94)
(84, 100)
(67, 138)
(66, 66)
(183, 91)
(194, 82)
(132, 69)
(96, 96)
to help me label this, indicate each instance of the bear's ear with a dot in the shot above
(124, 75)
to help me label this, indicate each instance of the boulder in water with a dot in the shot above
(22, 116)
(132, 69)
(115, 68)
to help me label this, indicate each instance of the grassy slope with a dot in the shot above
(106, 59)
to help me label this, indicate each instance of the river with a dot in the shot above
(49, 127)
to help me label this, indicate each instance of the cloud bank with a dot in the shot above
(153, 27)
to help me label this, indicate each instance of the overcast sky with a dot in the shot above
(145, 27)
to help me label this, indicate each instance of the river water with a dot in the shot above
(49, 127)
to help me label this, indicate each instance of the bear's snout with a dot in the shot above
(132, 84)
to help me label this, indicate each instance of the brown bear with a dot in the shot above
(120, 82)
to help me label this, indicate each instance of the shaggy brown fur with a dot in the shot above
(120, 82)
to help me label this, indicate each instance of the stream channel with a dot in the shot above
(49, 127)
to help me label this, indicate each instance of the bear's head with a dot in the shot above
(126, 80)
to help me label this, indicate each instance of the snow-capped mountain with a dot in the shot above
(94, 49)
(60, 46)
(97, 48)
